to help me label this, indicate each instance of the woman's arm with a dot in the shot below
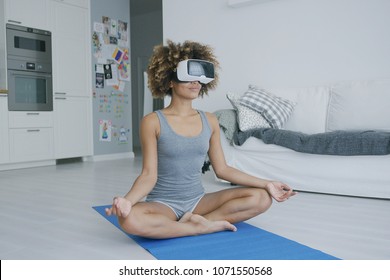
(145, 182)
(223, 171)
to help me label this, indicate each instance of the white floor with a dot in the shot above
(46, 213)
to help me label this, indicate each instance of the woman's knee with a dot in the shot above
(261, 200)
(130, 225)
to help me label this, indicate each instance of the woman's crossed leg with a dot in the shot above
(215, 212)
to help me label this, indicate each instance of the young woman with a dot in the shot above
(175, 142)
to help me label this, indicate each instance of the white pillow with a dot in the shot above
(247, 119)
(311, 107)
(360, 106)
(274, 109)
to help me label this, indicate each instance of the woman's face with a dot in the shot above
(187, 90)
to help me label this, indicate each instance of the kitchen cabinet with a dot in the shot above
(4, 144)
(31, 144)
(71, 78)
(30, 136)
(66, 131)
(72, 123)
(71, 53)
(30, 13)
(22, 119)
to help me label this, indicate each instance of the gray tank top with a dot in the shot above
(180, 161)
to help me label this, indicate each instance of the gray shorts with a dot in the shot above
(179, 207)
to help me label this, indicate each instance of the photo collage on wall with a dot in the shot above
(112, 74)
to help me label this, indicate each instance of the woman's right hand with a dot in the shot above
(121, 207)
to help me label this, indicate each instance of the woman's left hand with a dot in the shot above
(280, 191)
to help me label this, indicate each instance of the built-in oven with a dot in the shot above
(29, 69)
(29, 90)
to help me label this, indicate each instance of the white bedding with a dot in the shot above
(367, 176)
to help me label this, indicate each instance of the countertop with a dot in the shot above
(3, 92)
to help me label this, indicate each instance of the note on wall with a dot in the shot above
(111, 50)
(105, 130)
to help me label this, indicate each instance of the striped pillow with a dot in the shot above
(275, 110)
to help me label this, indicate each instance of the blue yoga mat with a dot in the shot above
(247, 243)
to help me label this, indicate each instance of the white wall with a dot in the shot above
(285, 42)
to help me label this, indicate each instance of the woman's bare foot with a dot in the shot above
(205, 226)
(186, 217)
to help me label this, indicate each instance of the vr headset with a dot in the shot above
(191, 70)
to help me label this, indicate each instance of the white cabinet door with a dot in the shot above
(22, 119)
(71, 79)
(72, 123)
(4, 144)
(31, 144)
(71, 54)
(30, 136)
(31, 13)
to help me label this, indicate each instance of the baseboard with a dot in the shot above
(21, 165)
(110, 157)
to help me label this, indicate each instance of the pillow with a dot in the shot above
(227, 119)
(359, 106)
(311, 107)
(274, 109)
(247, 118)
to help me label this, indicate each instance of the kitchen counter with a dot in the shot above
(3, 92)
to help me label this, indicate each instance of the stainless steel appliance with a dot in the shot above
(29, 69)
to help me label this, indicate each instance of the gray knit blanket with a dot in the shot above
(344, 143)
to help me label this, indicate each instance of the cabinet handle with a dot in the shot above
(60, 98)
(33, 130)
(60, 93)
(14, 21)
(32, 114)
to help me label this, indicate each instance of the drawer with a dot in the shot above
(31, 144)
(30, 119)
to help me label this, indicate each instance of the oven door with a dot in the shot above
(29, 91)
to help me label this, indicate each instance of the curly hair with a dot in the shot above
(164, 60)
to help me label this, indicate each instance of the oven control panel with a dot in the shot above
(29, 66)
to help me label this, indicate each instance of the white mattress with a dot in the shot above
(367, 176)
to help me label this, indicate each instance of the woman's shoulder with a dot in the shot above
(150, 120)
(212, 119)
(150, 117)
(211, 116)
